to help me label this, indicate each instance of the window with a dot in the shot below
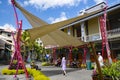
(86, 24)
(9, 35)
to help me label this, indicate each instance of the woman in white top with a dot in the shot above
(100, 59)
(63, 64)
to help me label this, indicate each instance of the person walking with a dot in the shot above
(100, 59)
(63, 64)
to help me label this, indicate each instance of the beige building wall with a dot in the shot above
(65, 30)
(75, 32)
(69, 30)
(93, 26)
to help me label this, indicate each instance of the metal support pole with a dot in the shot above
(70, 54)
(17, 54)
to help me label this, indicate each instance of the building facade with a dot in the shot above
(6, 46)
(88, 29)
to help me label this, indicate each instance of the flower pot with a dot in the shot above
(107, 78)
(95, 77)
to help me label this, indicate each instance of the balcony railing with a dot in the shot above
(93, 37)
(115, 33)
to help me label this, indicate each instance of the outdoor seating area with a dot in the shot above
(34, 66)
(74, 64)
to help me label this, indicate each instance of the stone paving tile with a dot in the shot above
(72, 74)
(55, 73)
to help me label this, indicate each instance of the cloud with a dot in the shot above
(61, 18)
(8, 27)
(45, 4)
(99, 1)
(9, 2)
(85, 1)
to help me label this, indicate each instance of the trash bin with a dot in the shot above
(88, 65)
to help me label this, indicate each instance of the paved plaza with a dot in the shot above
(55, 73)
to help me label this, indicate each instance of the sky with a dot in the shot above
(50, 11)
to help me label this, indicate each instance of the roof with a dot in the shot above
(86, 17)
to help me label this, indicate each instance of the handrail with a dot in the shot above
(97, 36)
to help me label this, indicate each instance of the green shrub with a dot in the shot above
(41, 77)
(112, 70)
(11, 72)
(14, 71)
(45, 64)
(37, 75)
(29, 71)
(15, 61)
(21, 71)
(4, 71)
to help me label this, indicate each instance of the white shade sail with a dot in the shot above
(49, 33)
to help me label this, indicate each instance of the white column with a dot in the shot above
(99, 28)
(69, 31)
(83, 35)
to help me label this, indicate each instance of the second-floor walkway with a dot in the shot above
(111, 35)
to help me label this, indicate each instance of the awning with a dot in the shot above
(34, 21)
(40, 28)
(48, 33)
(60, 39)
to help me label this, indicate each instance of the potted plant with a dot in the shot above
(95, 75)
(112, 72)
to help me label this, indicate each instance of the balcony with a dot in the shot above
(111, 34)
